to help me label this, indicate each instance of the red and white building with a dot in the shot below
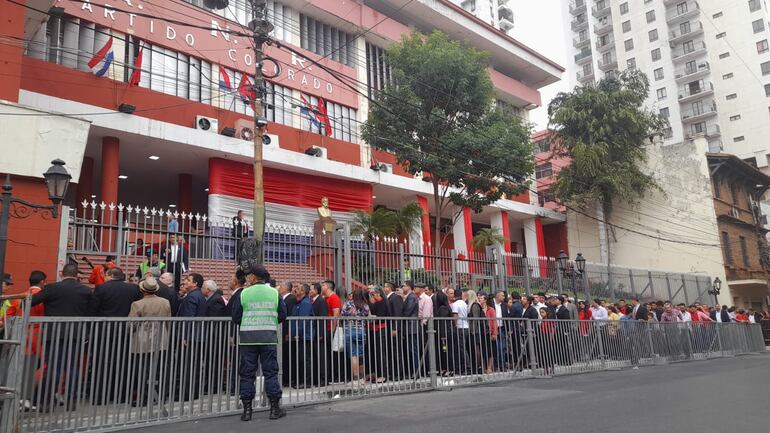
(160, 157)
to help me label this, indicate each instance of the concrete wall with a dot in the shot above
(683, 212)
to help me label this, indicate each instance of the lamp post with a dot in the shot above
(57, 180)
(716, 287)
(571, 270)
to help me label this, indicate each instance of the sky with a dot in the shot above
(539, 25)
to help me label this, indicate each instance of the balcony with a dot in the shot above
(606, 46)
(675, 16)
(691, 93)
(608, 64)
(583, 56)
(701, 71)
(600, 10)
(584, 77)
(685, 56)
(711, 131)
(577, 7)
(581, 43)
(603, 28)
(677, 36)
(578, 25)
(699, 115)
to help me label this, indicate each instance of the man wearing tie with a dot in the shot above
(177, 260)
(240, 232)
(639, 312)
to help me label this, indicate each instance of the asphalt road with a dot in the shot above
(726, 395)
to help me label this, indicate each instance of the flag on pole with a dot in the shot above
(224, 80)
(310, 113)
(323, 117)
(246, 91)
(101, 61)
(136, 74)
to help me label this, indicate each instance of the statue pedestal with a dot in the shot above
(322, 256)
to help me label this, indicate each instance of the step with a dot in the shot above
(10, 342)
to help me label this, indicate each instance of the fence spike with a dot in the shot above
(129, 208)
(102, 205)
(120, 207)
(93, 204)
(153, 211)
(84, 203)
(145, 210)
(111, 206)
(176, 214)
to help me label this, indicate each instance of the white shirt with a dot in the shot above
(538, 306)
(686, 317)
(460, 308)
(718, 315)
(174, 250)
(599, 313)
(499, 313)
(751, 319)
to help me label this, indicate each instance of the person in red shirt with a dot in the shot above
(741, 317)
(98, 273)
(334, 307)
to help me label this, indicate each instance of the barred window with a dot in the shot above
(279, 104)
(240, 11)
(726, 248)
(326, 40)
(342, 119)
(379, 72)
(543, 170)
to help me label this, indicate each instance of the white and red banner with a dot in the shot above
(290, 198)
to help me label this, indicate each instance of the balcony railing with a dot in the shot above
(682, 55)
(608, 64)
(675, 15)
(579, 24)
(699, 114)
(583, 55)
(577, 7)
(691, 73)
(585, 76)
(696, 28)
(600, 10)
(602, 47)
(703, 88)
(603, 28)
(580, 43)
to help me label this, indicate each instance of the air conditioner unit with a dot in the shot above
(386, 168)
(207, 124)
(321, 153)
(734, 212)
(244, 129)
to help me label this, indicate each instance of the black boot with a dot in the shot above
(275, 409)
(246, 415)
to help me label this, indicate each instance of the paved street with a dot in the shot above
(703, 397)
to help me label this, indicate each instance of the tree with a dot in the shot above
(602, 129)
(379, 223)
(407, 218)
(487, 237)
(438, 117)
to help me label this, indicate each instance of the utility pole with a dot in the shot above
(251, 250)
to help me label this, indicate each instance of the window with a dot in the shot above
(631, 63)
(588, 69)
(690, 67)
(731, 96)
(699, 128)
(655, 54)
(661, 93)
(653, 34)
(697, 109)
(629, 44)
(728, 253)
(664, 113)
(721, 35)
(765, 68)
(688, 47)
(734, 193)
(736, 117)
(624, 8)
(543, 170)
(717, 15)
(715, 186)
(279, 102)
(343, 120)
(684, 28)
(744, 251)
(658, 73)
(727, 76)
(379, 72)
(739, 138)
(650, 16)
(758, 25)
(767, 89)
(681, 8)
(542, 146)
(762, 46)
(724, 55)
(626, 26)
(326, 40)
(583, 35)
(754, 5)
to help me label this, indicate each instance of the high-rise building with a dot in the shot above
(498, 13)
(708, 63)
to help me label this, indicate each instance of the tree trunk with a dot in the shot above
(604, 240)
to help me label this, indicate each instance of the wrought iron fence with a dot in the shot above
(297, 253)
(97, 374)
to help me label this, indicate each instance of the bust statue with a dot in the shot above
(325, 219)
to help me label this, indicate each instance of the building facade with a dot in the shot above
(498, 13)
(708, 63)
(175, 150)
(736, 187)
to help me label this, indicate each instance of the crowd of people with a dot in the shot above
(372, 335)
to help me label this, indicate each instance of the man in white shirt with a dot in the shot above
(598, 312)
(540, 301)
(686, 317)
(460, 313)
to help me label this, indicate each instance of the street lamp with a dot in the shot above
(57, 179)
(569, 270)
(716, 287)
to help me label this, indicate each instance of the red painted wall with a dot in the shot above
(12, 25)
(555, 239)
(33, 242)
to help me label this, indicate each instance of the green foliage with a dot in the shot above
(437, 117)
(487, 237)
(379, 223)
(603, 130)
(407, 218)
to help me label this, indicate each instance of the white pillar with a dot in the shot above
(460, 234)
(530, 244)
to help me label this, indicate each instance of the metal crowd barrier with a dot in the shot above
(99, 374)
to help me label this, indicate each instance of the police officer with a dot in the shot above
(258, 310)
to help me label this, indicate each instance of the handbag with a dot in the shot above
(338, 340)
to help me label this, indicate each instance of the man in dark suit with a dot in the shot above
(285, 292)
(114, 298)
(65, 298)
(165, 291)
(395, 309)
(639, 311)
(177, 259)
(320, 309)
(192, 333)
(720, 314)
(215, 304)
(515, 312)
(240, 232)
(531, 313)
(412, 331)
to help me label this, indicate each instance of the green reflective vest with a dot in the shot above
(259, 324)
(145, 267)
